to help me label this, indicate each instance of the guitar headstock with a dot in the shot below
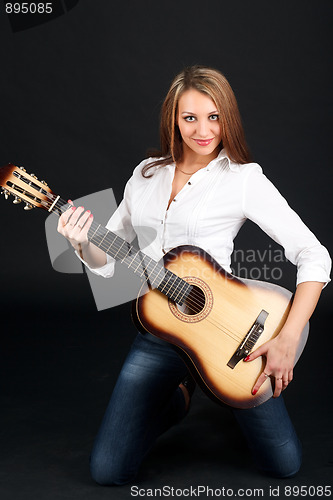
(26, 187)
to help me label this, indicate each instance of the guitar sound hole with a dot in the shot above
(194, 303)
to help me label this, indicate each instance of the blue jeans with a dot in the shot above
(147, 401)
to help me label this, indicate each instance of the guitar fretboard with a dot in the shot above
(156, 275)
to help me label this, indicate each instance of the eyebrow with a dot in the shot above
(190, 113)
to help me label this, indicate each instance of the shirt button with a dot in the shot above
(189, 183)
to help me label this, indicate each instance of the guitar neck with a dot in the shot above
(149, 270)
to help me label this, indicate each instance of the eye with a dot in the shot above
(189, 118)
(214, 117)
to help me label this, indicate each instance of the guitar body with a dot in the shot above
(209, 335)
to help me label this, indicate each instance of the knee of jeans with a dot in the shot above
(107, 472)
(285, 461)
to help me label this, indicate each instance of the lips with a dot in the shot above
(203, 143)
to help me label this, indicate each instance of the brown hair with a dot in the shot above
(214, 84)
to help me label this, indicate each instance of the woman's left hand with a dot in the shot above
(280, 355)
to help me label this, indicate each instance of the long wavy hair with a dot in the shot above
(212, 83)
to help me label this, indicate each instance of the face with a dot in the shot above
(198, 122)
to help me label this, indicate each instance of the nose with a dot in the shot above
(203, 129)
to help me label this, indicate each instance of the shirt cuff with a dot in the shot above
(316, 270)
(106, 271)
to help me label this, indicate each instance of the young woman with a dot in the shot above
(199, 190)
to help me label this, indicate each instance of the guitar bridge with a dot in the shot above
(249, 340)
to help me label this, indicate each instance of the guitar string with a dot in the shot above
(193, 303)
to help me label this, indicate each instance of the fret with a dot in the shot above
(109, 247)
(115, 255)
(162, 269)
(185, 293)
(146, 267)
(126, 255)
(140, 264)
(134, 263)
(102, 239)
(173, 287)
(92, 236)
(133, 259)
(156, 263)
(166, 283)
(182, 283)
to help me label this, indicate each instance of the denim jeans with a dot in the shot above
(147, 401)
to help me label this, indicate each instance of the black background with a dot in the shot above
(80, 100)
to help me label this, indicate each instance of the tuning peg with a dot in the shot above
(17, 200)
(28, 206)
(22, 168)
(43, 182)
(5, 192)
(34, 176)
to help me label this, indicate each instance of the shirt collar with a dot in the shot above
(234, 167)
(219, 159)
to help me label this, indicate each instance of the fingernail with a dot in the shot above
(69, 201)
(90, 216)
(73, 208)
(247, 358)
(88, 211)
(254, 392)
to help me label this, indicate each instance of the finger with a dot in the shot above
(83, 219)
(71, 228)
(76, 214)
(278, 387)
(262, 378)
(287, 379)
(84, 223)
(291, 375)
(285, 383)
(255, 354)
(64, 218)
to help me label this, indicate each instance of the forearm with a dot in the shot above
(92, 255)
(305, 300)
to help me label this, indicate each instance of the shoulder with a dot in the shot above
(246, 169)
(138, 171)
(237, 170)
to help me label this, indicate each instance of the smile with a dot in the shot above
(203, 143)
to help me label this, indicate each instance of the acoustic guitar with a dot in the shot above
(212, 318)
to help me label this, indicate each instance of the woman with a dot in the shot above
(199, 189)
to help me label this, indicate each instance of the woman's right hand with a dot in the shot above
(74, 225)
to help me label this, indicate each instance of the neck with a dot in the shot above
(191, 161)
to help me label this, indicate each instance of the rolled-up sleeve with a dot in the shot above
(264, 205)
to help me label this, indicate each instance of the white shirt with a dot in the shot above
(209, 211)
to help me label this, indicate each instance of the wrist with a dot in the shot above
(81, 248)
(290, 333)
